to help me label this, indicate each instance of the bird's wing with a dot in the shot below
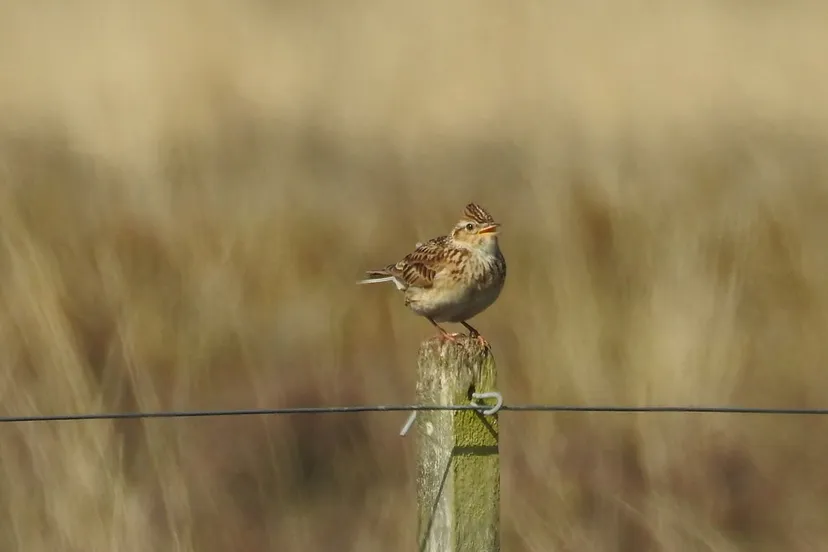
(419, 267)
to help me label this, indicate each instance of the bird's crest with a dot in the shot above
(478, 214)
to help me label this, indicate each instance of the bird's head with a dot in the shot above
(476, 229)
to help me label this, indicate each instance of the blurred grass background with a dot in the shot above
(190, 189)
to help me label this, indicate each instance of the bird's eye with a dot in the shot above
(470, 227)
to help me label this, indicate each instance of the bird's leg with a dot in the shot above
(474, 334)
(443, 333)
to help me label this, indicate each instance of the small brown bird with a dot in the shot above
(451, 278)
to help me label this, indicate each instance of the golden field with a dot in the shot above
(189, 190)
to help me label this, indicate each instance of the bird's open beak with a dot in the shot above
(490, 229)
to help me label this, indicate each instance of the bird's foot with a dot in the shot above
(449, 336)
(480, 339)
(473, 334)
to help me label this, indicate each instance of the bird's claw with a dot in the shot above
(480, 339)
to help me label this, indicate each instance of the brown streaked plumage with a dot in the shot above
(451, 278)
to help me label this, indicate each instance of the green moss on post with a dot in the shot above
(458, 485)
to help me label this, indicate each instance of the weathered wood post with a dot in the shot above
(458, 484)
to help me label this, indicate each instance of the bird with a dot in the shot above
(451, 278)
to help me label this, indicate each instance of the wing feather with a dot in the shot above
(420, 267)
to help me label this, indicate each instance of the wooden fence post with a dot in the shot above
(458, 484)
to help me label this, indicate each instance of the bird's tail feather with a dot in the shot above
(377, 280)
(375, 277)
(377, 273)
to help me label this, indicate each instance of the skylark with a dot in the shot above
(451, 278)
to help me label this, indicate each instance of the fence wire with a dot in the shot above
(411, 408)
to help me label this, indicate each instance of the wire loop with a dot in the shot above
(490, 395)
(482, 408)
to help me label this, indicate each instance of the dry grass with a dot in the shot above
(189, 190)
